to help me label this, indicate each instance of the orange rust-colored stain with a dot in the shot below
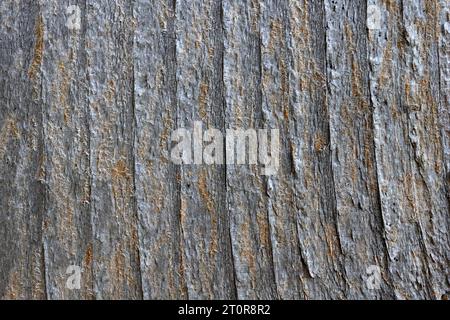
(64, 85)
(276, 28)
(88, 255)
(14, 130)
(206, 197)
(349, 38)
(386, 68)
(110, 91)
(301, 30)
(246, 250)
(120, 170)
(331, 239)
(168, 124)
(134, 238)
(390, 5)
(118, 266)
(122, 188)
(319, 143)
(183, 209)
(38, 49)
(356, 73)
(263, 228)
(407, 91)
(203, 189)
(8, 131)
(12, 292)
(202, 100)
(356, 79)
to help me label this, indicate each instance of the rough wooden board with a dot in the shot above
(86, 176)
(157, 180)
(411, 172)
(22, 187)
(443, 30)
(204, 221)
(109, 50)
(246, 187)
(358, 223)
(309, 135)
(281, 209)
(67, 222)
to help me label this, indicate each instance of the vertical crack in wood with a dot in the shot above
(133, 155)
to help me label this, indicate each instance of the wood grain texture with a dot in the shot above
(66, 168)
(204, 221)
(87, 177)
(157, 182)
(22, 151)
(109, 43)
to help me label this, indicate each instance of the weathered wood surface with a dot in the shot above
(87, 179)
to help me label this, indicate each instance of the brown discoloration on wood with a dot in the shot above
(203, 188)
(319, 143)
(202, 100)
(121, 170)
(8, 132)
(168, 123)
(38, 49)
(88, 256)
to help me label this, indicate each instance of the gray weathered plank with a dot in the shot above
(109, 51)
(246, 199)
(204, 222)
(157, 180)
(309, 140)
(22, 274)
(357, 222)
(67, 224)
(444, 68)
(277, 113)
(404, 88)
